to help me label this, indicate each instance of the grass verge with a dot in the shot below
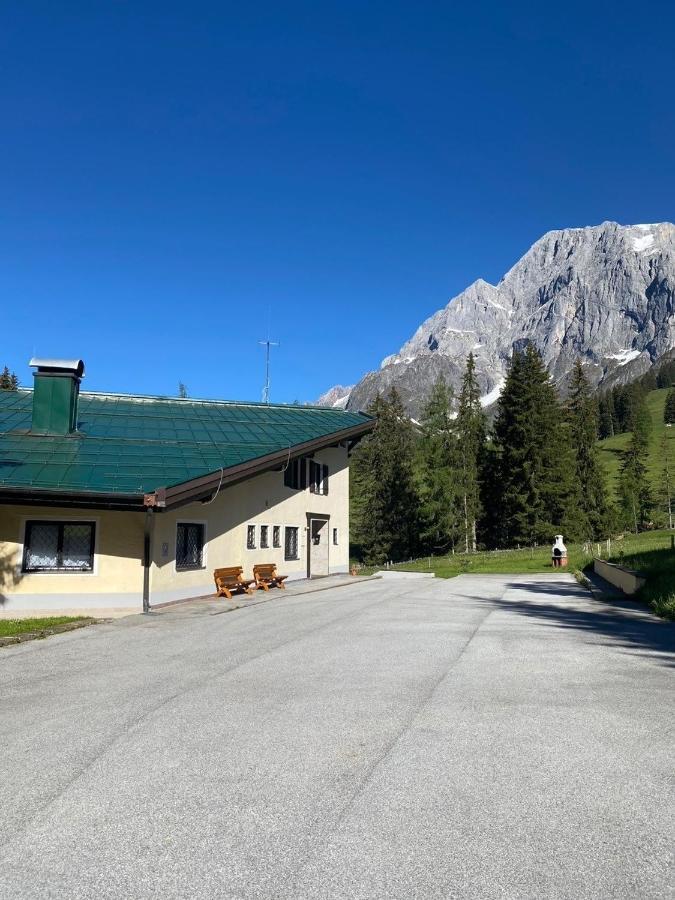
(12, 627)
(658, 565)
(529, 560)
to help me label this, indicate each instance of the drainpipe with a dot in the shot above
(147, 550)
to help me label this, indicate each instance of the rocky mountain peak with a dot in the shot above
(604, 293)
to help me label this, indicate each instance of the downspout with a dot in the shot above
(147, 549)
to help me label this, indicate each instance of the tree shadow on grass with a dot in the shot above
(624, 623)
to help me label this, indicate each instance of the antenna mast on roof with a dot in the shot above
(266, 390)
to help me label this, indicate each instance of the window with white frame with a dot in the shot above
(264, 537)
(250, 537)
(291, 543)
(58, 546)
(189, 545)
(318, 478)
(276, 536)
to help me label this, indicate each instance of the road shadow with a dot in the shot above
(623, 622)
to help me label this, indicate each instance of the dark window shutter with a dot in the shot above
(303, 473)
(325, 480)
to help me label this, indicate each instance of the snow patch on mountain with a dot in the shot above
(337, 397)
(494, 394)
(643, 243)
(625, 356)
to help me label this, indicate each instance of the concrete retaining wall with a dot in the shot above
(626, 580)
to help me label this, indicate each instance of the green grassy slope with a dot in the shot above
(611, 449)
(516, 562)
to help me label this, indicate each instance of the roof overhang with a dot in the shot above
(203, 487)
(76, 499)
(189, 491)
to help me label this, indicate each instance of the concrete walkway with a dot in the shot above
(483, 737)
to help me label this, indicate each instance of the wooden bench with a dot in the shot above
(231, 579)
(265, 576)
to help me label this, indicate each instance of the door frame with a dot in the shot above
(308, 531)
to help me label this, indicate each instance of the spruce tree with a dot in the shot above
(470, 429)
(669, 408)
(534, 485)
(634, 494)
(8, 380)
(606, 419)
(385, 501)
(589, 477)
(622, 409)
(437, 471)
(666, 484)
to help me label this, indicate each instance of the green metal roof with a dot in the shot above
(135, 445)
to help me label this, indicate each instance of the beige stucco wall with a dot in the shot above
(263, 500)
(115, 586)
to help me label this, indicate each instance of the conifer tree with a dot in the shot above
(534, 486)
(437, 456)
(666, 375)
(470, 429)
(8, 380)
(666, 485)
(669, 409)
(634, 494)
(589, 477)
(606, 418)
(385, 520)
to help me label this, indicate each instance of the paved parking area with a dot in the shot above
(487, 737)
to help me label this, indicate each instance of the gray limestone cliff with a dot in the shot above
(605, 294)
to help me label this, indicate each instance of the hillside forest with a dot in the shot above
(589, 466)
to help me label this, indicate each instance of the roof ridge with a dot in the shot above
(256, 404)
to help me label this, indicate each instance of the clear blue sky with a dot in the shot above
(169, 171)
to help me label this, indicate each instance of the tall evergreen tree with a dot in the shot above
(470, 428)
(634, 494)
(437, 472)
(589, 477)
(385, 501)
(666, 486)
(666, 375)
(669, 408)
(8, 380)
(534, 472)
(606, 418)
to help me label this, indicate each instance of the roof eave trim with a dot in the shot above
(197, 488)
(74, 499)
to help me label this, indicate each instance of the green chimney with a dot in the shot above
(56, 389)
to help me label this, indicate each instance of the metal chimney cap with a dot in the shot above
(65, 366)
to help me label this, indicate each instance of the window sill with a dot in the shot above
(57, 572)
(190, 568)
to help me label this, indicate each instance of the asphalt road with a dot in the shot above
(490, 737)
